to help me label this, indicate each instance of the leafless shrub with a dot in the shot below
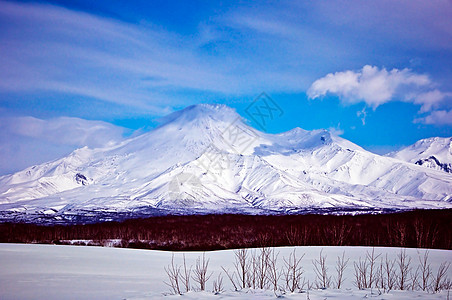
(361, 270)
(440, 280)
(380, 279)
(447, 285)
(261, 264)
(414, 281)
(218, 285)
(321, 272)
(341, 265)
(292, 272)
(404, 268)
(231, 278)
(390, 274)
(372, 258)
(259, 269)
(274, 274)
(242, 266)
(366, 271)
(252, 272)
(173, 272)
(425, 272)
(185, 276)
(200, 274)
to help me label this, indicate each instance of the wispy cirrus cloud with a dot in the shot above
(50, 48)
(25, 141)
(241, 51)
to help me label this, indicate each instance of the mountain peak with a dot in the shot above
(230, 167)
(434, 152)
(216, 112)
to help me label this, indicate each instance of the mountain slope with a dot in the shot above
(434, 153)
(206, 159)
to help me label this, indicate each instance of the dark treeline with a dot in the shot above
(421, 228)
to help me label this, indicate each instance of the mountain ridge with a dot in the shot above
(204, 159)
(434, 153)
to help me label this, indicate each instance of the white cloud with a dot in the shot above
(429, 99)
(47, 48)
(50, 48)
(438, 117)
(239, 51)
(376, 86)
(336, 130)
(67, 131)
(362, 114)
(25, 141)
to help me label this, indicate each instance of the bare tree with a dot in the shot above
(173, 272)
(321, 272)
(337, 233)
(218, 285)
(292, 236)
(425, 233)
(404, 268)
(420, 233)
(440, 280)
(400, 231)
(297, 236)
(341, 265)
(264, 240)
(200, 274)
(292, 272)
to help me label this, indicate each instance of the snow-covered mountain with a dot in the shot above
(205, 158)
(435, 153)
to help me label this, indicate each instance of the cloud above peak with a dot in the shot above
(376, 86)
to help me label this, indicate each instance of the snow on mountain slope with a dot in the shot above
(206, 159)
(435, 153)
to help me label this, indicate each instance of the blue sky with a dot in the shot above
(75, 73)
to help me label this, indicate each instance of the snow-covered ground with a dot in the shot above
(72, 272)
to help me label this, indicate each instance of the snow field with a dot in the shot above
(71, 272)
